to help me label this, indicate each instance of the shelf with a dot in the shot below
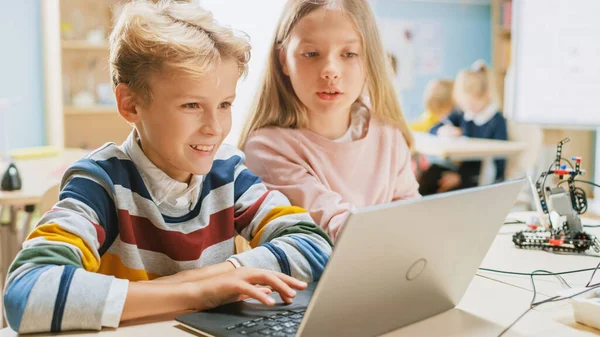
(90, 110)
(82, 45)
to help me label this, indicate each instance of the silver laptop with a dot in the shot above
(393, 265)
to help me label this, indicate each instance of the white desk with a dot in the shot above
(505, 256)
(464, 148)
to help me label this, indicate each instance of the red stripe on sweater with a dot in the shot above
(100, 232)
(178, 246)
(243, 220)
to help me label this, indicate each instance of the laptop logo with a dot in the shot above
(416, 269)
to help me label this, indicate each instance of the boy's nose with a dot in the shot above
(211, 126)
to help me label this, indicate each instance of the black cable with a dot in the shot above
(594, 273)
(587, 182)
(533, 304)
(528, 274)
(579, 181)
(515, 322)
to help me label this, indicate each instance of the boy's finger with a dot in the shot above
(247, 289)
(279, 285)
(292, 282)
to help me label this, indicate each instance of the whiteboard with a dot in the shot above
(556, 62)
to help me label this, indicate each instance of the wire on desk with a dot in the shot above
(534, 304)
(528, 274)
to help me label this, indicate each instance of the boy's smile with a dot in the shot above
(183, 126)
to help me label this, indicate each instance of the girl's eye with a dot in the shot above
(225, 105)
(310, 54)
(191, 105)
(351, 55)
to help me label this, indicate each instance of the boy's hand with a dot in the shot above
(240, 284)
(196, 274)
(449, 181)
(449, 131)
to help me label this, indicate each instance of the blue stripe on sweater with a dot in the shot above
(281, 257)
(96, 197)
(61, 297)
(123, 172)
(17, 295)
(221, 173)
(243, 182)
(317, 258)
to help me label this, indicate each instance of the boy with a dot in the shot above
(163, 208)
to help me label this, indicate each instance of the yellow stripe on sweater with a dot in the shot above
(53, 232)
(275, 213)
(111, 264)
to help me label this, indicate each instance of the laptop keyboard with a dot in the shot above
(282, 324)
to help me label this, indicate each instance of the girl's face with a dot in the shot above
(472, 104)
(325, 62)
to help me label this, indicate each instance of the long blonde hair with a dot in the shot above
(276, 103)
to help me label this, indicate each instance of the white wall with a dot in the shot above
(257, 18)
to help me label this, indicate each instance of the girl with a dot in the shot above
(311, 135)
(479, 118)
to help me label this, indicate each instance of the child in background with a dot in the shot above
(479, 118)
(438, 103)
(163, 208)
(310, 134)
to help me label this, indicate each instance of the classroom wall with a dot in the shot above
(447, 36)
(21, 74)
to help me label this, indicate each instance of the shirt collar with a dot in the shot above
(162, 188)
(482, 117)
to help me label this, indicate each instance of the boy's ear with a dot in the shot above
(126, 103)
(282, 61)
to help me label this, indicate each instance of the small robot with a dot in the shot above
(568, 235)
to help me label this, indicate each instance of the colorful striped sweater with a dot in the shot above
(106, 230)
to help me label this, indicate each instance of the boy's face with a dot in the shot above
(188, 118)
(325, 62)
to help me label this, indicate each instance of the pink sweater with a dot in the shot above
(328, 178)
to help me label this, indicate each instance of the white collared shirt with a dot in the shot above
(482, 117)
(163, 189)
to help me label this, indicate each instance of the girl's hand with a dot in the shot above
(449, 181)
(449, 131)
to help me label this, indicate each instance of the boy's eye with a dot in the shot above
(310, 54)
(191, 105)
(225, 105)
(350, 54)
